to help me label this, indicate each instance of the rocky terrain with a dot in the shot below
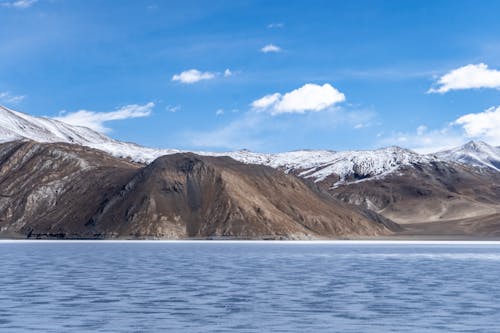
(59, 180)
(55, 190)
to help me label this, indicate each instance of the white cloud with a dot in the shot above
(275, 25)
(219, 112)
(483, 125)
(468, 77)
(173, 109)
(309, 97)
(19, 3)
(96, 120)
(192, 76)
(266, 101)
(270, 48)
(421, 129)
(424, 141)
(7, 97)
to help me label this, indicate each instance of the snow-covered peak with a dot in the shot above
(347, 165)
(20, 126)
(475, 153)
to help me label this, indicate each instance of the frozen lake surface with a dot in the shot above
(248, 287)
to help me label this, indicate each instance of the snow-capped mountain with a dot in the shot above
(20, 126)
(317, 165)
(314, 164)
(474, 153)
(320, 164)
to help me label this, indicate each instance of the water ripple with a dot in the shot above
(238, 287)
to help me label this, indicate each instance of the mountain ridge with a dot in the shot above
(345, 166)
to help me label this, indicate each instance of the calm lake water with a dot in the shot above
(248, 287)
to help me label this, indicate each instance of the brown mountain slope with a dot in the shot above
(68, 191)
(54, 189)
(432, 192)
(185, 195)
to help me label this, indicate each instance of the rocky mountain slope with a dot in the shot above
(438, 191)
(68, 191)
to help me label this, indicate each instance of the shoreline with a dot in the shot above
(275, 242)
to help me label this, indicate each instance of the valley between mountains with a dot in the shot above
(69, 182)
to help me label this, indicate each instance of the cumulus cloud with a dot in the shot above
(308, 98)
(468, 77)
(270, 48)
(96, 120)
(19, 3)
(483, 125)
(192, 76)
(266, 101)
(8, 98)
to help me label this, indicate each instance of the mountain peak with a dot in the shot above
(477, 146)
(475, 153)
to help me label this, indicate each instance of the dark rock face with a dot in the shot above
(69, 191)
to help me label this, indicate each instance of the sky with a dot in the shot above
(266, 76)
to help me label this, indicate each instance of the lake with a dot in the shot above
(249, 287)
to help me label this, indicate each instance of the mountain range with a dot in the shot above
(64, 181)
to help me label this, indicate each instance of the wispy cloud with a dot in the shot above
(309, 97)
(243, 132)
(483, 126)
(8, 98)
(260, 131)
(172, 108)
(219, 112)
(21, 4)
(270, 48)
(275, 25)
(423, 140)
(97, 120)
(468, 77)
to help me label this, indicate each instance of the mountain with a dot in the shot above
(341, 167)
(433, 192)
(54, 188)
(58, 190)
(318, 165)
(20, 126)
(457, 185)
(474, 153)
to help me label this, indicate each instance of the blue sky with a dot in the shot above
(344, 74)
